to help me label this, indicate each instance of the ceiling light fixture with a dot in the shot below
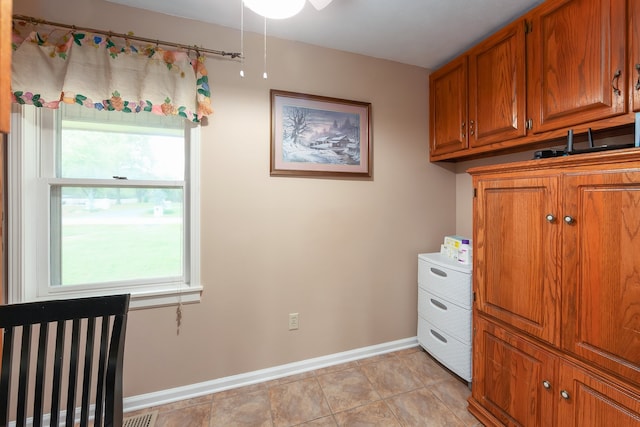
(241, 39)
(320, 4)
(272, 9)
(275, 9)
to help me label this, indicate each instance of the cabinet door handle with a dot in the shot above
(569, 219)
(438, 336)
(614, 82)
(462, 130)
(550, 217)
(546, 384)
(638, 81)
(438, 272)
(564, 394)
(438, 304)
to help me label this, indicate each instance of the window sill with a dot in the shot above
(141, 298)
(160, 298)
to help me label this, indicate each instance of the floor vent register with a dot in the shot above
(143, 420)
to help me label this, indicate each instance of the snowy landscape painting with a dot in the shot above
(314, 135)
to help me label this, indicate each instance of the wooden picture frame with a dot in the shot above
(319, 136)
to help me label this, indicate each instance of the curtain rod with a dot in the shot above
(127, 36)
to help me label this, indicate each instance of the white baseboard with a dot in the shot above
(163, 397)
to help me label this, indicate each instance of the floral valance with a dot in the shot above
(52, 65)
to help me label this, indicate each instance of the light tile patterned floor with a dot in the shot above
(404, 388)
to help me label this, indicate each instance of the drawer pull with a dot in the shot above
(438, 272)
(438, 304)
(614, 83)
(438, 336)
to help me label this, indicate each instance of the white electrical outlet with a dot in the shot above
(293, 321)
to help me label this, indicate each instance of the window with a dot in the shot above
(102, 203)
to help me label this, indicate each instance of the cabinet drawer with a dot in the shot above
(452, 353)
(446, 315)
(445, 282)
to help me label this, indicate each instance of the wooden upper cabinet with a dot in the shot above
(516, 247)
(479, 98)
(601, 270)
(577, 62)
(497, 86)
(5, 64)
(634, 53)
(448, 108)
(566, 64)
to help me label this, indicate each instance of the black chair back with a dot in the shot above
(85, 365)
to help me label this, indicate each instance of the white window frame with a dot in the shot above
(28, 219)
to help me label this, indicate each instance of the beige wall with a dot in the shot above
(340, 252)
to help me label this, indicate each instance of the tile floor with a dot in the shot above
(404, 388)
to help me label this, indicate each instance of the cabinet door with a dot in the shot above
(512, 379)
(634, 52)
(590, 402)
(577, 62)
(601, 270)
(516, 268)
(448, 107)
(497, 86)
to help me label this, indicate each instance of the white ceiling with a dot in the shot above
(427, 33)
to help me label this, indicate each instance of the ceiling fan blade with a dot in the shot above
(320, 4)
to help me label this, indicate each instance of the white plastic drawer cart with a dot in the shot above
(444, 311)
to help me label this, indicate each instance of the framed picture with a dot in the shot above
(319, 136)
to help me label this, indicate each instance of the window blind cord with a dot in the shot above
(179, 310)
(264, 75)
(241, 38)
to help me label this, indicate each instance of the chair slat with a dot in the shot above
(86, 378)
(73, 373)
(113, 405)
(23, 378)
(41, 371)
(5, 375)
(102, 365)
(56, 388)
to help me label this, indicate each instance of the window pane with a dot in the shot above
(116, 234)
(115, 144)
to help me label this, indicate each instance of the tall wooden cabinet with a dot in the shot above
(557, 291)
